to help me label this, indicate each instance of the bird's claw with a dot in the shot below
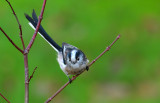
(70, 80)
(87, 68)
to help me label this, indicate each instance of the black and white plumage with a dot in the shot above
(71, 60)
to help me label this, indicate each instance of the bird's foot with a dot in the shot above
(70, 80)
(87, 68)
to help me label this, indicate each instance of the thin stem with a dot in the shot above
(4, 98)
(20, 28)
(37, 27)
(11, 40)
(26, 78)
(49, 99)
(25, 51)
(107, 49)
(74, 77)
(26, 54)
(32, 74)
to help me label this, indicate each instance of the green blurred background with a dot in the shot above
(128, 73)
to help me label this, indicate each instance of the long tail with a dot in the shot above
(33, 23)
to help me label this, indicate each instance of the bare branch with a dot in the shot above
(4, 98)
(74, 77)
(11, 41)
(20, 28)
(26, 51)
(32, 74)
(26, 78)
(37, 27)
(107, 49)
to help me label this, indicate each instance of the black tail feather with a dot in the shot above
(34, 21)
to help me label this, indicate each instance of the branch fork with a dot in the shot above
(25, 51)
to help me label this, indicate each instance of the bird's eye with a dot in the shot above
(78, 58)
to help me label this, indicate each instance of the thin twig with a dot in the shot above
(32, 74)
(26, 51)
(37, 27)
(74, 77)
(20, 28)
(26, 78)
(11, 40)
(107, 49)
(5, 98)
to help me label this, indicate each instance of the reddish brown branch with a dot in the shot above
(11, 40)
(37, 27)
(20, 28)
(74, 77)
(4, 98)
(26, 54)
(32, 74)
(26, 50)
(107, 49)
(26, 78)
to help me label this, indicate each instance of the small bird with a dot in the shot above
(72, 60)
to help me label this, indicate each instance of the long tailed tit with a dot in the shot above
(71, 60)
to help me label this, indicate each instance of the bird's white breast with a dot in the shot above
(70, 70)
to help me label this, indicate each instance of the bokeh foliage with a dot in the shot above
(128, 73)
